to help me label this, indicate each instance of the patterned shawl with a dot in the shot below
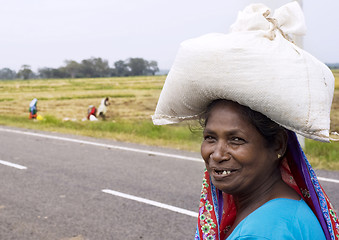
(217, 209)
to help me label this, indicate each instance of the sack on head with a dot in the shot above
(256, 65)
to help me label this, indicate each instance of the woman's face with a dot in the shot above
(235, 153)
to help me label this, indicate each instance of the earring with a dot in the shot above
(279, 156)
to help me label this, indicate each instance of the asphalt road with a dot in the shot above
(70, 188)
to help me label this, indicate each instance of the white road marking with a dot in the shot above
(13, 165)
(153, 203)
(328, 180)
(103, 145)
(123, 148)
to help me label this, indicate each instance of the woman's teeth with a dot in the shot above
(225, 172)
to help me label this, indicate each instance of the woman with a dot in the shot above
(244, 153)
(33, 109)
(258, 183)
(102, 110)
(92, 113)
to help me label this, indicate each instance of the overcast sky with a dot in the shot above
(45, 33)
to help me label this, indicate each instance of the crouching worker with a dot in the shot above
(92, 113)
(102, 110)
(33, 110)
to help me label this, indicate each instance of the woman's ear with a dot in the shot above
(281, 143)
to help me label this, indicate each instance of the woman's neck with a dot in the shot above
(248, 202)
(274, 188)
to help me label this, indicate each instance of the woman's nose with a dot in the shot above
(220, 153)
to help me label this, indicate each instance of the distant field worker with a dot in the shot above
(33, 110)
(92, 113)
(102, 110)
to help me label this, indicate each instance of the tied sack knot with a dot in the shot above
(275, 26)
(287, 20)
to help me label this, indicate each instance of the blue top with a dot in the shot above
(280, 218)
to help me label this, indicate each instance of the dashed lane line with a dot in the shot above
(151, 202)
(13, 165)
(328, 180)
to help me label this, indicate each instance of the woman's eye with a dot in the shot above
(208, 138)
(238, 140)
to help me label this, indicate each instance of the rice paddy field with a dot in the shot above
(130, 98)
(63, 104)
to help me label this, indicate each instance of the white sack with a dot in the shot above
(256, 66)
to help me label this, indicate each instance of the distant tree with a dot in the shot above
(61, 73)
(138, 66)
(45, 72)
(94, 67)
(152, 67)
(86, 68)
(7, 73)
(52, 73)
(120, 69)
(25, 72)
(134, 67)
(73, 68)
(101, 67)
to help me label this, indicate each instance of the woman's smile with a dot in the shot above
(219, 174)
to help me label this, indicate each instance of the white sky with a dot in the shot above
(44, 33)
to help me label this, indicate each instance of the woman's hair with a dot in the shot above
(265, 126)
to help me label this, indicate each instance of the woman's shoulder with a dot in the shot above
(283, 207)
(280, 218)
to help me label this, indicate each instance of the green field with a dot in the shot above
(63, 103)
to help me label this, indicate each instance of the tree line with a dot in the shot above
(333, 65)
(87, 68)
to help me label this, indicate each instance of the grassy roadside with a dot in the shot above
(141, 131)
(133, 101)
